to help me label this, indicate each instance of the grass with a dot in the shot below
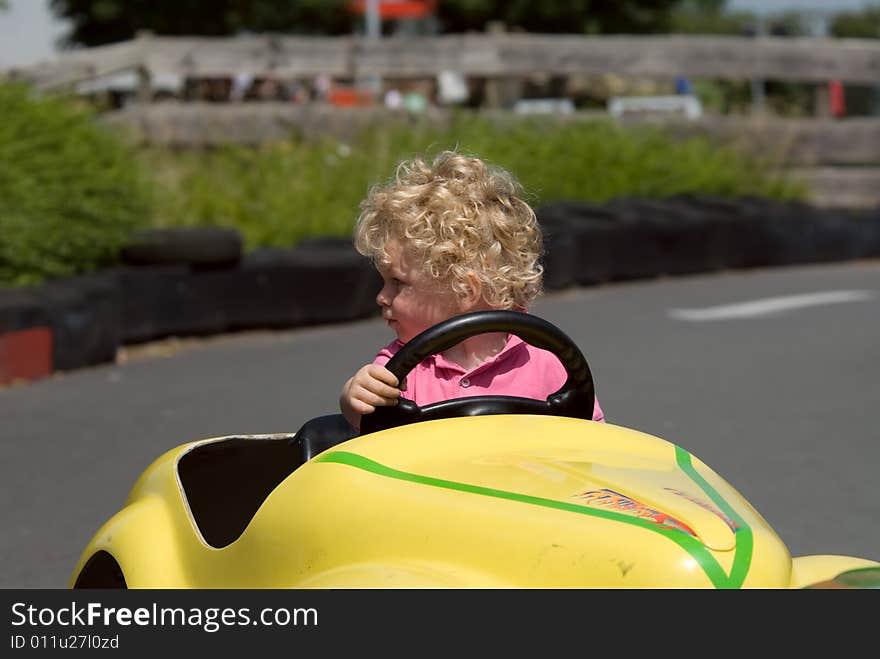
(283, 192)
(72, 192)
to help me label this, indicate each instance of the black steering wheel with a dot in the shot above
(575, 398)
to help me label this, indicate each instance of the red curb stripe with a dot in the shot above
(25, 354)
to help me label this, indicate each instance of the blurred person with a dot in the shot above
(450, 237)
(269, 89)
(241, 83)
(393, 99)
(322, 85)
(683, 86)
(415, 102)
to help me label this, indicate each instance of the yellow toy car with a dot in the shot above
(482, 492)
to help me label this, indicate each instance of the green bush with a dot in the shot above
(597, 161)
(70, 191)
(283, 192)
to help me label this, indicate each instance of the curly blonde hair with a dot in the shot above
(459, 216)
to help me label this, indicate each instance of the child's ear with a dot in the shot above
(474, 292)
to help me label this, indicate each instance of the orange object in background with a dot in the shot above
(25, 354)
(349, 97)
(400, 9)
(836, 98)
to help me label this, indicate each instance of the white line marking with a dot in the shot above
(770, 305)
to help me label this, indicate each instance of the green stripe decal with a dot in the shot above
(697, 551)
(742, 558)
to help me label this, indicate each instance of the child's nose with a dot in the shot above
(383, 298)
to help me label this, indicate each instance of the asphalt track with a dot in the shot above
(775, 396)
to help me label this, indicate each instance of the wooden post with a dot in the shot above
(759, 96)
(492, 90)
(144, 91)
(372, 83)
(512, 56)
(821, 101)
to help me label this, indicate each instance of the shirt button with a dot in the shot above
(465, 382)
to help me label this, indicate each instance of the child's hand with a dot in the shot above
(371, 387)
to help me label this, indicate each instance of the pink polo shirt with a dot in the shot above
(518, 370)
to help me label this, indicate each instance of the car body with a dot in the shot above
(501, 501)
(476, 492)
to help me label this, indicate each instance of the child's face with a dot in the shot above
(410, 299)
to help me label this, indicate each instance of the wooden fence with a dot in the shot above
(855, 61)
(841, 158)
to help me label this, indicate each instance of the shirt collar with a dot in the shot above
(513, 343)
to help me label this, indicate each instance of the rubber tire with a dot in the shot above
(199, 247)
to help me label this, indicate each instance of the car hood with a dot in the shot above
(559, 463)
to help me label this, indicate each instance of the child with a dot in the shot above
(450, 237)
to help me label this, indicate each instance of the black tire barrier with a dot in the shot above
(164, 301)
(85, 319)
(262, 292)
(582, 238)
(271, 288)
(869, 234)
(84, 315)
(199, 247)
(321, 281)
(809, 235)
(353, 266)
(768, 233)
(25, 336)
(661, 238)
(739, 237)
(560, 251)
(632, 238)
(20, 309)
(781, 233)
(596, 232)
